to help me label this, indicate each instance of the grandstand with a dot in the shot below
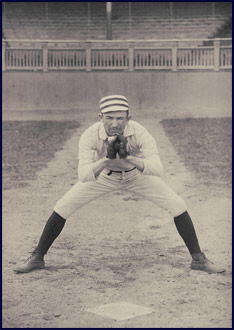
(130, 20)
(181, 52)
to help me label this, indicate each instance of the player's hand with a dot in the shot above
(112, 147)
(122, 140)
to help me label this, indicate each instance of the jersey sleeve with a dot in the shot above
(149, 150)
(86, 157)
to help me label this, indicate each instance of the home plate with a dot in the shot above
(120, 311)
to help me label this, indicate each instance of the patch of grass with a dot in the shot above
(27, 146)
(205, 147)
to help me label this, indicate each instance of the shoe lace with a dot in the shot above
(210, 261)
(30, 257)
(206, 259)
(32, 254)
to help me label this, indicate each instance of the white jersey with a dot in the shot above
(93, 144)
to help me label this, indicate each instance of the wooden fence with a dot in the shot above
(104, 55)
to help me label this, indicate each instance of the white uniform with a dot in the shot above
(141, 144)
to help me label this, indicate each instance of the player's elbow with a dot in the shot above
(160, 169)
(153, 168)
(82, 178)
(157, 170)
(157, 167)
(85, 174)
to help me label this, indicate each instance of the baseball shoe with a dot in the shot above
(200, 262)
(35, 261)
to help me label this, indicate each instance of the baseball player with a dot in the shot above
(117, 153)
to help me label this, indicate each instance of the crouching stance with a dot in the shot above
(117, 153)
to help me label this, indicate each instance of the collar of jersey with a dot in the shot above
(128, 131)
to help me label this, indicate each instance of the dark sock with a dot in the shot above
(51, 231)
(186, 230)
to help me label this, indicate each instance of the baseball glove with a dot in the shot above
(122, 146)
(112, 147)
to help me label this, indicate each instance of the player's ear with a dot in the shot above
(127, 116)
(100, 115)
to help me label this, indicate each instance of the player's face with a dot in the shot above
(114, 122)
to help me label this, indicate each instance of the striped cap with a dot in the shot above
(113, 103)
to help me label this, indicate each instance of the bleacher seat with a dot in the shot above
(130, 20)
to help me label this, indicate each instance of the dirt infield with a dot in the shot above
(121, 249)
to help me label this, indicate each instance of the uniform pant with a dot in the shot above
(151, 187)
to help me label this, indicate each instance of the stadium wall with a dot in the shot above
(73, 93)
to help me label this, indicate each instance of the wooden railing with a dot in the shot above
(172, 55)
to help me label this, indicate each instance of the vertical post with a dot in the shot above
(88, 56)
(108, 14)
(171, 19)
(216, 55)
(45, 56)
(4, 18)
(88, 19)
(130, 19)
(46, 15)
(213, 16)
(174, 56)
(3, 55)
(131, 56)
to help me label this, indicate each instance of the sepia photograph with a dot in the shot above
(116, 164)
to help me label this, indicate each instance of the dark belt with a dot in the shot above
(109, 173)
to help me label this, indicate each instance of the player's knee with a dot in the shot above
(178, 207)
(62, 208)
